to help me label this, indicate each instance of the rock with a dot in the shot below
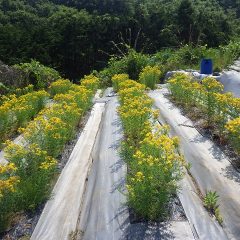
(11, 77)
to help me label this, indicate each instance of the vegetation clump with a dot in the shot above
(211, 203)
(150, 76)
(152, 158)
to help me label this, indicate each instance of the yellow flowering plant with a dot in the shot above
(16, 93)
(233, 130)
(155, 170)
(211, 85)
(22, 91)
(8, 183)
(8, 180)
(117, 79)
(216, 107)
(150, 76)
(60, 86)
(79, 95)
(223, 102)
(56, 124)
(135, 109)
(91, 82)
(154, 165)
(35, 169)
(53, 127)
(44, 138)
(17, 111)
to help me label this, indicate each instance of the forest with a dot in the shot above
(75, 37)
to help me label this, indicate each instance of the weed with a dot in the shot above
(210, 201)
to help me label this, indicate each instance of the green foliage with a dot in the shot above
(39, 75)
(189, 56)
(131, 64)
(218, 216)
(210, 201)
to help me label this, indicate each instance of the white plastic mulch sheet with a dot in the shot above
(231, 82)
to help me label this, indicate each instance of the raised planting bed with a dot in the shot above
(209, 166)
(218, 113)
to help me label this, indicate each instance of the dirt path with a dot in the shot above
(210, 167)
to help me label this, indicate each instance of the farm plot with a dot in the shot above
(125, 178)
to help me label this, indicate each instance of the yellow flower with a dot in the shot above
(139, 176)
(49, 163)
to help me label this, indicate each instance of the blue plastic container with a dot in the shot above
(206, 66)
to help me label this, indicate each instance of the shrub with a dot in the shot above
(135, 62)
(37, 74)
(189, 56)
(25, 90)
(131, 64)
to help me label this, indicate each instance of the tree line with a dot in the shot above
(76, 36)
